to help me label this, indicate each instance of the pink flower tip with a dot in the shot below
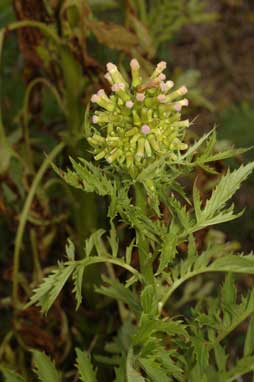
(118, 86)
(101, 93)
(140, 97)
(185, 102)
(134, 64)
(178, 106)
(161, 98)
(145, 129)
(129, 104)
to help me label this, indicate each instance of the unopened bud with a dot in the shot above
(145, 129)
(118, 86)
(129, 104)
(134, 64)
(140, 97)
(94, 119)
(162, 98)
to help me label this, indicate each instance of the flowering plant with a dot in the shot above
(139, 123)
(172, 320)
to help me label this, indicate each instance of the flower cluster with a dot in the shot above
(138, 122)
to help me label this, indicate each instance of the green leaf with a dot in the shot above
(113, 240)
(168, 249)
(119, 292)
(234, 263)
(220, 357)
(249, 339)
(77, 276)
(85, 367)
(242, 367)
(87, 177)
(150, 326)
(225, 189)
(44, 368)
(10, 375)
(132, 374)
(46, 294)
(149, 301)
(154, 370)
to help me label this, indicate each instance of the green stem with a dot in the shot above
(145, 262)
(24, 216)
(142, 11)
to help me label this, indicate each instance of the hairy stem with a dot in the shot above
(145, 262)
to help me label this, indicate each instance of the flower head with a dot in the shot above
(138, 123)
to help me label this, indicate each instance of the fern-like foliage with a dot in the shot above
(159, 340)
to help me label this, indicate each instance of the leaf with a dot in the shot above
(85, 367)
(46, 294)
(197, 202)
(234, 263)
(78, 275)
(193, 149)
(149, 300)
(249, 339)
(154, 370)
(168, 249)
(144, 36)
(70, 250)
(95, 241)
(44, 368)
(132, 374)
(150, 326)
(113, 240)
(10, 375)
(242, 367)
(229, 291)
(201, 352)
(113, 35)
(86, 177)
(225, 189)
(119, 292)
(128, 252)
(220, 357)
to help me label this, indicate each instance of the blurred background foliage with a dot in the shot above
(53, 58)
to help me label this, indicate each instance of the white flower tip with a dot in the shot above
(134, 64)
(185, 102)
(161, 98)
(140, 97)
(94, 98)
(145, 129)
(161, 77)
(111, 67)
(107, 76)
(94, 119)
(183, 90)
(170, 84)
(162, 65)
(129, 104)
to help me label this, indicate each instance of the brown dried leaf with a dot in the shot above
(112, 35)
